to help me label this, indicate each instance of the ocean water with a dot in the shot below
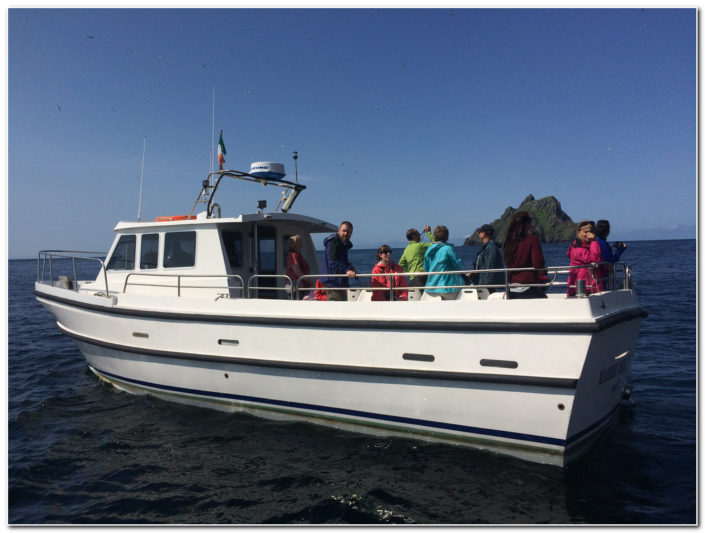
(81, 452)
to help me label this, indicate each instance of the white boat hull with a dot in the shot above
(537, 390)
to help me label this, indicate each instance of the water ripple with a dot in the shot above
(82, 452)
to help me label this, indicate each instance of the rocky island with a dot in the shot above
(551, 222)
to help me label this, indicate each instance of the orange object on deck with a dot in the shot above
(174, 218)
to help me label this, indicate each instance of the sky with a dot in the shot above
(401, 117)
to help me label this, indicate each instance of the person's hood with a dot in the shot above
(390, 266)
(333, 236)
(435, 248)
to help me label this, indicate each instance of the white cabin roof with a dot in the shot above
(314, 225)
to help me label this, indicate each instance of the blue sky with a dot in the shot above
(401, 117)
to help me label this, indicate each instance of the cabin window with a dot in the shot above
(267, 250)
(149, 251)
(285, 247)
(123, 257)
(179, 249)
(232, 240)
(267, 261)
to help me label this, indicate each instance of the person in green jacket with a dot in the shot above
(412, 258)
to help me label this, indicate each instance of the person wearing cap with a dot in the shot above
(489, 257)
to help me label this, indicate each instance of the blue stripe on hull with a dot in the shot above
(347, 412)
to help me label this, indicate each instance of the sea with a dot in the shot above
(82, 452)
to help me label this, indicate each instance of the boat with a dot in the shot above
(197, 308)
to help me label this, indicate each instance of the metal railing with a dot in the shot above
(50, 255)
(283, 277)
(295, 288)
(180, 285)
(552, 274)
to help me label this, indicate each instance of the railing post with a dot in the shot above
(75, 277)
(627, 277)
(105, 277)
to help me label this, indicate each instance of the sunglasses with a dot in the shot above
(386, 252)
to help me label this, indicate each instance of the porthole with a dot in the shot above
(499, 363)
(418, 357)
(228, 342)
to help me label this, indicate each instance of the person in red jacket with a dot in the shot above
(296, 265)
(385, 265)
(585, 250)
(522, 249)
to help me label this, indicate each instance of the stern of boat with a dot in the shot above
(604, 381)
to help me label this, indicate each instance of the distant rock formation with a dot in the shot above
(550, 221)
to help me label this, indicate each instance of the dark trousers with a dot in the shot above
(531, 292)
(417, 281)
(337, 295)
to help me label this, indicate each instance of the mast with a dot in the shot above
(139, 205)
(212, 133)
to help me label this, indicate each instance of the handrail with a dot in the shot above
(271, 276)
(179, 285)
(51, 254)
(551, 282)
(621, 270)
(209, 190)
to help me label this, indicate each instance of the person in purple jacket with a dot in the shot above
(602, 231)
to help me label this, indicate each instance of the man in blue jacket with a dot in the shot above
(335, 261)
(489, 257)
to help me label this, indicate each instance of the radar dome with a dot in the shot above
(267, 169)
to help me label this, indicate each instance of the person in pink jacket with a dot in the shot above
(584, 251)
(385, 265)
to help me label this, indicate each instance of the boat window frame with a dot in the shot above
(285, 243)
(125, 237)
(258, 243)
(167, 236)
(226, 255)
(141, 257)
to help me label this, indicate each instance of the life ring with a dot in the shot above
(174, 218)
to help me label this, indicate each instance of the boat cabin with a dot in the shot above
(201, 256)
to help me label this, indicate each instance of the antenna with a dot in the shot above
(139, 205)
(296, 166)
(213, 133)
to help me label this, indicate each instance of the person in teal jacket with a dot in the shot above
(441, 257)
(412, 258)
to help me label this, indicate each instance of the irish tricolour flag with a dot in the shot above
(221, 151)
